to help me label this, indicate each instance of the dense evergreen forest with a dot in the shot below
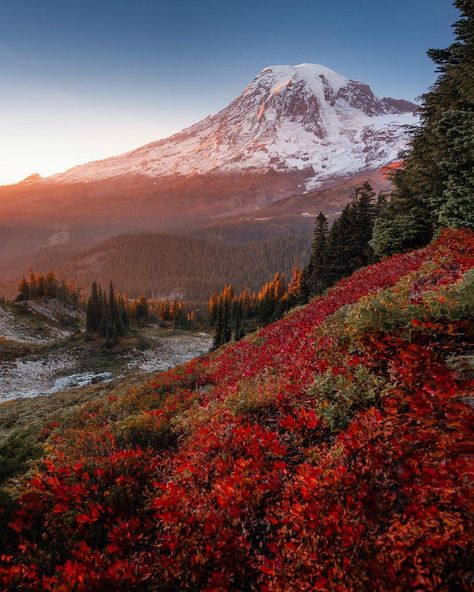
(168, 267)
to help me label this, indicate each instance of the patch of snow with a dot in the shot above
(29, 377)
(60, 236)
(55, 310)
(170, 351)
(14, 330)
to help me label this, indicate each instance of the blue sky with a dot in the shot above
(81, 80)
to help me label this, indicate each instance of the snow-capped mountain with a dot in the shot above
(293, 144)
(304, 118)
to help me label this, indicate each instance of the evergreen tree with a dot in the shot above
(141, 311)
(212, 309)
(296, 288)
(226, 319)
(32, 284)
(340, 249)
(363, 211)
(106, 317)
(41, 286)
(123, 316)
(93, 310)
(181, 320)
(51, 285)
(23, 290)
(315, 274)
(435, 185)
(218, 335)
(239, 331)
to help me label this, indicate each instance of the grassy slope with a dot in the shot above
(328, 452)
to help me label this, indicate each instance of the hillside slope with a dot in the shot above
(288, 222)
(167, 266)
(326, 452)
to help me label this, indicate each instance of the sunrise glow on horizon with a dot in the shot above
(107, 79)
(47, 150)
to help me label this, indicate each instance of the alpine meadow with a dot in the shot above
(239, 358)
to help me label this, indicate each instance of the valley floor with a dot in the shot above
(45, 367)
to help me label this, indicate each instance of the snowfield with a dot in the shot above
(31, 376)
(44, 373)
(170, 351)
(304, 118)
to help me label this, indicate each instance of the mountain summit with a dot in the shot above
(306, 119)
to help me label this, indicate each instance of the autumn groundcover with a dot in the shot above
(329, 451)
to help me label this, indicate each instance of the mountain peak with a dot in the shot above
(304, 119)
(315, 76)
(303, 70)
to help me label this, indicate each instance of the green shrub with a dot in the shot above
(249, 400)
(16, 450)
(340, 396)
(146, 431)
(395, 309)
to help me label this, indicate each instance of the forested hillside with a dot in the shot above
(435, 185)
(166, 266)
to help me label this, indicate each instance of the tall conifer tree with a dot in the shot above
(435, 186)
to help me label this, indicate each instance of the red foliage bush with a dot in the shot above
(258, 490)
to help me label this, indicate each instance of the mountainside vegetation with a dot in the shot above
(326, 452)
(48, 286)
(435, 185)
(234, 314)
(345, 247)
(167, 266)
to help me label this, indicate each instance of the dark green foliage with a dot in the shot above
(231, 313)
(223, 315)
(107, 317)
(346, 247)
(181, 320)
(23, 290)
(316, 276)
(435, 186)
(397, 234)
(271, 299)
(237, 321)
(144, 431)
(16, 450)
(141, 311)
(220, 333)
(94, 310)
